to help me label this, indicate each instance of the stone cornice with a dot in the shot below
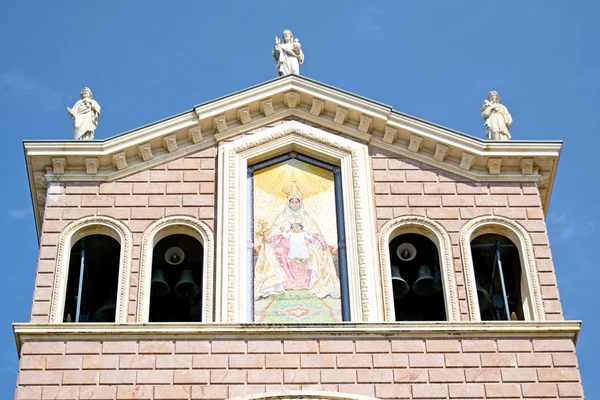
(283, 98)
(397, 330)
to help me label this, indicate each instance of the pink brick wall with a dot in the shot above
(383, 368)
(406, 187)
(182, 187)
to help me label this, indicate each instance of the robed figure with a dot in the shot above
(288, 55)
(85, 113)
(497, 118)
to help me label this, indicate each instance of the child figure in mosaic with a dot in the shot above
(298, 243)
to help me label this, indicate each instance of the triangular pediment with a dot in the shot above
(289, 98)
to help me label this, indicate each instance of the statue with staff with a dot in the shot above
(288, 55)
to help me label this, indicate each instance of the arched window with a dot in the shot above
(92, 272)
(93, 279)
(417, 274)
(500, 273)
(175, 283)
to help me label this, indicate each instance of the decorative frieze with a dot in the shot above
(527, 166)
(59, 165)
(243, 115)
(466, 161)
(91, 165)
(340, 115)
(440, 152)
(415, 143)
(170, 143)
(145, 151)
(317, 107)
(494, 165)
(291, 99)
(195, 134)
(365, 124)
(119, 160)
(220, 123)
(266, 107)
(390, 134)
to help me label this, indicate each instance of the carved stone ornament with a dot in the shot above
(266, 107)
(243, 115)
(466, 161)
(59, 165)
(440, 152)
(119, 160)
(170, 143)
(220, 123)
(359, 217)
(438, 235)
(317, 107)
(291, 99)
(527, 166)
(91, 165)
(340, 115)
(390, 134)
(152, 235)
(494, 166)
(145, 151)
(415, 143)
(195, 134)
(529, 279)
(68, 237)
(365, 124)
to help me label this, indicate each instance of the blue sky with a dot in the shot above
(436, 60)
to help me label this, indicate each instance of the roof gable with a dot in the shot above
(288, 97)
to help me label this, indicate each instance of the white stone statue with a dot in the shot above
(497, 118)
(85, 113)
(288, 55)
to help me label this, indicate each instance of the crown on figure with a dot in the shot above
(294, 191)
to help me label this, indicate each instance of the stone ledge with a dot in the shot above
(384, 330)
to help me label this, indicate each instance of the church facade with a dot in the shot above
(293, 240)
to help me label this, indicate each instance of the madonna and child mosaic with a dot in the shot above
(295, 253)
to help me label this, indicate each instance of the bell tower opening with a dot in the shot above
(416, 279)
(176, 283)
(92, 282)
(498, 274)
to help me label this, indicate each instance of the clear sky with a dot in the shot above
(436, 60)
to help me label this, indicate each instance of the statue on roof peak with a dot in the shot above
(288, 55)
(85, 113)
(497, 118)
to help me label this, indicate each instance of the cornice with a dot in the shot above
(396, 330)
(283, 98)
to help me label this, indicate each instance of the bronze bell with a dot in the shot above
(426, 284)
(106, 313)
(186, 288)
(406, 252)
(399, 285)
(159, 286)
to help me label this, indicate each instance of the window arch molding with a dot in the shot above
(533, 308)
(438, 235)
(172, 226)
(68, 237)
(307, 394)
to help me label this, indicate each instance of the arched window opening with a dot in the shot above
(175, 288)
(416, 279)
(92, 281)
(498, 275)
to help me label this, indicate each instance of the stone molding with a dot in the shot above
(69, 236)
(263, 331)
(153, 234)
(533, 307)
(304, 395)
(438, 235)
(353, 160)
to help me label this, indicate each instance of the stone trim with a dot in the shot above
(353, 159)
(533, 308)
(438, 235)
(304, 395)
(70, 235)
(161, 229)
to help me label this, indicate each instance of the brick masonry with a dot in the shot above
(409, 369)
